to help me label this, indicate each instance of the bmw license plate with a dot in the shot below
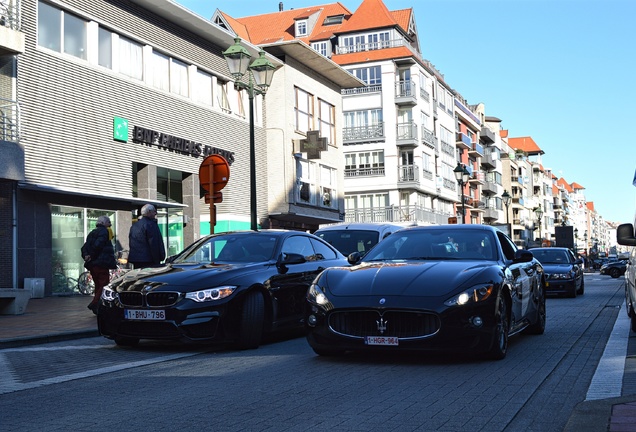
(381, 340)
(146, 315)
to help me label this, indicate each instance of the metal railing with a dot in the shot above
(413, 213)
(364, 172)
(9, 120)
(10, 14)
(363, 133)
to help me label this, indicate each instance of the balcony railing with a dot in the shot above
(364, 172)
(424, 94)
(428, 138)
(486, 135)
(10, 14)
(476, 149)
(406, 93)
(414, 213)
(407, 133)
(9, 120)
(463, 141)
(408, 173)
(362, 90)
(358, 134)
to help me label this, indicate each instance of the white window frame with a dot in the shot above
(304, 110)
(301, 28)
(327, 121)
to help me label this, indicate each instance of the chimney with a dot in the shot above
(280, 7)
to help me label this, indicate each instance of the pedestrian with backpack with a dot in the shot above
(99, 257)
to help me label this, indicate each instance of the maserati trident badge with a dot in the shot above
(381, 325)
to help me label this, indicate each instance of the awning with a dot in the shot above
(119, 201)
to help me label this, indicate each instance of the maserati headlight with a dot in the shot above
(317, 296)
(211, 294)
(472, 295)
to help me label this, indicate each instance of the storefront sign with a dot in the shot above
(181, 145)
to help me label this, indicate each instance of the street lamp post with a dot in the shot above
(538, 211)
(576, 241)
(505, 196)
(260, 74)
(462, 175)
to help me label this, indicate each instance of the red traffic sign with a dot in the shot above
(214, 173)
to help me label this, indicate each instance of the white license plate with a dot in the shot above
(137, 314)
(381, 340)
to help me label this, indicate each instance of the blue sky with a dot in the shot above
(560, 71)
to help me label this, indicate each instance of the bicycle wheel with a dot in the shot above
(85, 284)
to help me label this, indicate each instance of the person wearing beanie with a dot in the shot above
(145, 243)
(99, 258)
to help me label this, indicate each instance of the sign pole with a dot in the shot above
(212, 205)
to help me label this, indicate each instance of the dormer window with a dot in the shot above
(301, 28)
(333, 19)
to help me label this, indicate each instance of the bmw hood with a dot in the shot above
(183, 277)
(416, 278)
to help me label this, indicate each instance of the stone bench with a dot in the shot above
(13, 301)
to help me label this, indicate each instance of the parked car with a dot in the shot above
(356, 236)
(625, 236)
(563, 271)
(615, 269)
(228, 287)
(413, 292)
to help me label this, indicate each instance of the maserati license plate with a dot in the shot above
(381, 340)
(145, 315)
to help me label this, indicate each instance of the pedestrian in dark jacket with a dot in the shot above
(145, 243)
(99, 258)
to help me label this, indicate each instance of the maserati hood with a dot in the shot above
(415, 278)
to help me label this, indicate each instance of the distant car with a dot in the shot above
(413, 292)
(615, 269)
(228, 287)
(356, 236)
(564, 272)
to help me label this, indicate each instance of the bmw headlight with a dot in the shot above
(108, 294)
(211, 294)
(567, 275)
(472, 295)
(316, 295)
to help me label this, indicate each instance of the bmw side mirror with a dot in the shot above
(523, 255)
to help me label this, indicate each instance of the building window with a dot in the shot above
(321, 48)
(371, 76)
(61, 31)
(105, 48)
(301, 28)
(221, 96)
(307, 185)
(304, 110)
(159, 71)
(326, 121)
(328, 183)
(364, 164)
(202, 88)
(179, 78)
(130, 58)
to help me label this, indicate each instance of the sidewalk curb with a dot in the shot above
(594, 415)
(58, 337)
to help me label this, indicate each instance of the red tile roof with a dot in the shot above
(525, 144)
(575, 185)
(280, 26)
(565, 185)
(371, 14)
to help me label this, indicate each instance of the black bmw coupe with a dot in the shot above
(228, 287)
(463, 288)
